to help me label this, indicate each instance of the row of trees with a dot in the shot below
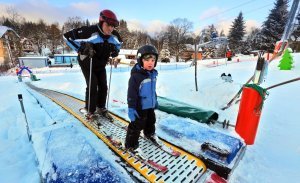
(265, 37)
(176, 35)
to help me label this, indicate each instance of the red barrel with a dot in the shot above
(249, 114)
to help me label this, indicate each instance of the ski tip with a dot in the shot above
(158, 167)
(223, 108)
(176, 153)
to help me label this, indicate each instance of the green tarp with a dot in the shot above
(185, 110)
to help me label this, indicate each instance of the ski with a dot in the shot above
(149, 162)
(94, 119)
(165, 148)
(161, 145)
(207, 146)
(118, 144)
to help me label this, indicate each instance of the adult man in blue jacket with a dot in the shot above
(95, 44)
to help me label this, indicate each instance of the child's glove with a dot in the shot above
(156, 105)
(132, 114)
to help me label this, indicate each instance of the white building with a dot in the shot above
(33, 62)
(127, 56)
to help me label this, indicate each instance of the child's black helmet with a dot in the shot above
(144, 50)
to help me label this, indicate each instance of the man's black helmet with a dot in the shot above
(145, 50)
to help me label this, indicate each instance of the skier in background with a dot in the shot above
(229, 55)
(96, 44)
(142, 98)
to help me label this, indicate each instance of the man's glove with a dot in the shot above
(132, 114)
(86, 50)
(113, 50)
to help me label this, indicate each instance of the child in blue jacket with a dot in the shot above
(142, 98)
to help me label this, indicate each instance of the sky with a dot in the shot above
(274, 157)
(150, 16)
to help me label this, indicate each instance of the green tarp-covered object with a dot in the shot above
(185, 110)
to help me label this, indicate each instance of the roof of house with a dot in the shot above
(127, 52)
(4, 29)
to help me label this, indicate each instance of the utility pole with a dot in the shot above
(197, 44)
(63, 44)
(195, 60)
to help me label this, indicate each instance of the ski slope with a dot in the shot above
(273, 158)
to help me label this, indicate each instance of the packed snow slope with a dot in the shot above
(273, 158)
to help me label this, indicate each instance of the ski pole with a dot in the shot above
(109, 86)
(90, 81)
(23, 110)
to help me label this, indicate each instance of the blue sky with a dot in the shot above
(147, 15)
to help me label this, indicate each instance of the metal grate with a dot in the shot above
(184, 168)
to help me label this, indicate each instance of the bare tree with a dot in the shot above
(177, 32)
(14, 19)
(40, 35)
(13, 14)
(73, 23)
(54, 36)
(136, 44)
(158, 39)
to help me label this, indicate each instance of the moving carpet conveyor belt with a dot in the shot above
(183, 168)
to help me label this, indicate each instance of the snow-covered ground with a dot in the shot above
(59, 137)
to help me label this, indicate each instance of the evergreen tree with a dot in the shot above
(287, 61)
(148, 41)
(222, 34)
(273, 27)
(212, 31)
(236, 33)
(87, 22)
(253, 39)
(165, 53)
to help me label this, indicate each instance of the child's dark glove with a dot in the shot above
(132, 114)
(156, 105)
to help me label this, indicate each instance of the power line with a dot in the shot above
(256, 9)
(230, 9)
(253, 10)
